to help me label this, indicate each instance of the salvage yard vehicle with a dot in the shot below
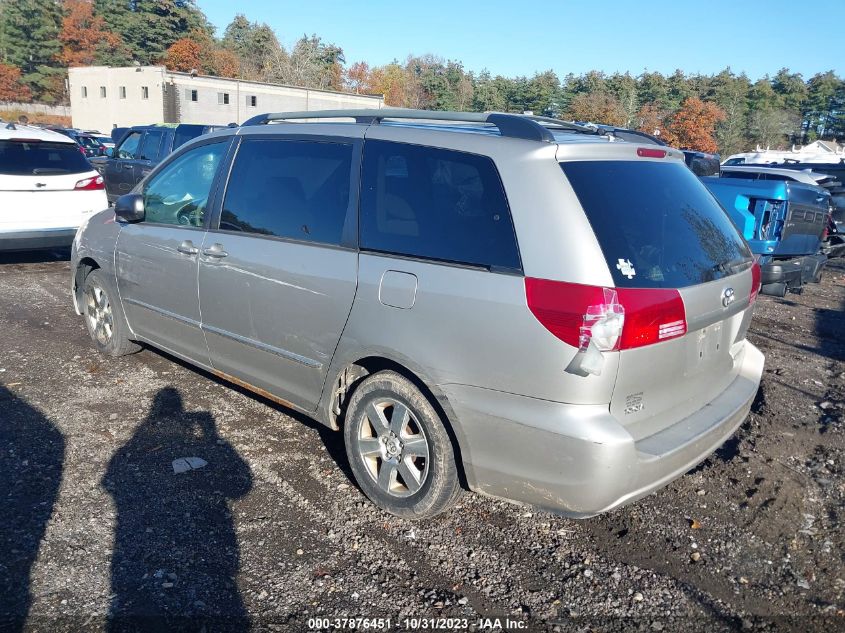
(47, 188)
(140, 148)
(784, 223)
(463, 294)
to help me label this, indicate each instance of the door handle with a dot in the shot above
(215, 251)
(187, 247)
(128, 166)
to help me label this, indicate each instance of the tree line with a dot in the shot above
(726, 112)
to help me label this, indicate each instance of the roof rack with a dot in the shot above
(509, 125)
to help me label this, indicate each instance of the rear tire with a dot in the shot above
(399, 449)
(104, 317)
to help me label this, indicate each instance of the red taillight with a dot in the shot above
(755, 280)
(613, 318)
(90, 184)
(652, 315)
(648, 152)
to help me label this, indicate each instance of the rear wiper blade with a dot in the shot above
(732, 266)
(49, 170)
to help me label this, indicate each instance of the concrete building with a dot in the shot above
(102, 97)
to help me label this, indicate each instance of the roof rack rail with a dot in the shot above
(509, 125)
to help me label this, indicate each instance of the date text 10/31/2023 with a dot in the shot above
(416, 624)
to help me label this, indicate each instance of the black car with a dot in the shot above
(138, 149)
(89, 144)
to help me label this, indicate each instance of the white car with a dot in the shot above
(48, 189)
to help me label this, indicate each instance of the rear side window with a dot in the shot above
(290, 189)
(656, 223)
(150, 145)
(435, 204)
(185, 133)
(38, 158)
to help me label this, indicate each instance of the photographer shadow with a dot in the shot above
(176, 554)
(32, 452)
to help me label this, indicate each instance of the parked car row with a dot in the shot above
(474, 301)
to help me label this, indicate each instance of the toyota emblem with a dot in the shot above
(728, 297)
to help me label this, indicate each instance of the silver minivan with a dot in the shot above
(535, 310)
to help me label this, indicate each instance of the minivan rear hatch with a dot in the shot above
(681, 268)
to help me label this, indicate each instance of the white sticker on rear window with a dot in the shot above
(626, 268)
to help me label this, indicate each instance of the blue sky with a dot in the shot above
(520, 38)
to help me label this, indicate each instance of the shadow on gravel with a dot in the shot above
(31, 454)
(830, 330)
(36, 257)
(176, 554)
(332, 440)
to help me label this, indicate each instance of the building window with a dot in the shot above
(102, 92)
(122, 91)
(252, 101)
(191, 95)
(145, 92)
(84, 92)
(222, 98)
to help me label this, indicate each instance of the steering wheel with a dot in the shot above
(191, 213)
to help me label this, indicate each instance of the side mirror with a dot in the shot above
(129, 208)
(110, 152)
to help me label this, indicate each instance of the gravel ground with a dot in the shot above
(99, 532)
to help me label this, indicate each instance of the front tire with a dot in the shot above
(104, 317)
(398, 447)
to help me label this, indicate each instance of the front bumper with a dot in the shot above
(36, 239)
(578, 460)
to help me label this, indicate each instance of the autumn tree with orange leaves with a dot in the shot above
(693, 126)
(199, 52)
(11, 88)
(85, 37)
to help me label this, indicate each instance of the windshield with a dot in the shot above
(34, 158)
(657, 225)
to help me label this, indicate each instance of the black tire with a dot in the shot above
(432, 484)
(114, 339)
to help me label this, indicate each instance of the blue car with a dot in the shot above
(783, 222)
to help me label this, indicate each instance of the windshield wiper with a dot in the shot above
(48, 170)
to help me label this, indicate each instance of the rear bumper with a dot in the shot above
(792, 272)
(36, 239)
(578, 460)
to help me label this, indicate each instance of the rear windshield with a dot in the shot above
(37, 158)
(657, 225)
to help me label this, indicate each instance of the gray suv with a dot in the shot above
(537, 310)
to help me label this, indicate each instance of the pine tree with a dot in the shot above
(29, 40)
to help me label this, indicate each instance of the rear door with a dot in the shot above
(148, 154)
(665, 237)
(278, 270)
(120, 169)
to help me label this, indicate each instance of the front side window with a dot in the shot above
(129, 147)
(290, 189)
(178, 194)
(435, 204)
